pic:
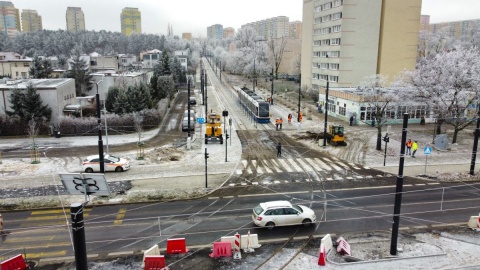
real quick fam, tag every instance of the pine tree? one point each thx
(121, 104)
(111, 97)
(40, 69)
(79, 72)
(27, 104)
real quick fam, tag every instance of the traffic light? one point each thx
(386, 139)
(206, 155)
(227, 136)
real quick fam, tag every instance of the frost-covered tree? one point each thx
(138, 98)
(378, 99)
(277, 48)
(166, 87)
(121, 104)
(40, 69)
(448, 84)
(79, 72)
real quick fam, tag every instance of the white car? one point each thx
(282, 213)
(111, 163)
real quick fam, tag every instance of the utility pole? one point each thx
(78, 236)
(271, 91)
(206, 157)
(99, 121)
(188, 106)
(326, 117)
(225, 114)
(299, 95)
(399, 189)
(206, 96)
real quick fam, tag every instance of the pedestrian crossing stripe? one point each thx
(293, 165)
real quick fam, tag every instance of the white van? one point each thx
(185, 124)
(191, 114)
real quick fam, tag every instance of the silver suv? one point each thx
(282, 213)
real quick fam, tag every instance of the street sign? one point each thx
(200, 120)
(427, 150)
(85, 184)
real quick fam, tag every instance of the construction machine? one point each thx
(213, 130)
(336, 135)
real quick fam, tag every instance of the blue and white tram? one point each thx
(255, 105)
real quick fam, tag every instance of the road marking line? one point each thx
(276, 166)
(121, 214)
(315, 166)
(50, 217)
(267, 166)
(295, 165)
(305, 165)
(59, 211)
(325, 166)
(285, 165)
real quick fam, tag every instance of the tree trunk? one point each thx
(455, 132)
(439, 127)
(379, 138)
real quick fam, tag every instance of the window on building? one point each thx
(334, 66)
(324, 54)
(327, 6)
(318, 20)
(335, 54)
(337, 3)
(325, 30)
(336, 28)
(335, 41)
(326, 18)
(318, 9)
(317, 31)
(334, 78)
(317, 43)
(336, 16)
(331, 106)
(324, 65)
(323, 77)
(325, 42)
(342, 110)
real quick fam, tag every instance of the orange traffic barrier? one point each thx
(221, 249)
(155, 262)
(176, 245)
(15, 263)
(322, 257)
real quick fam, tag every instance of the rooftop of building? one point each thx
(37, 83)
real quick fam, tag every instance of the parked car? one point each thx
(193, 101)
(111, 163)
(282, 213)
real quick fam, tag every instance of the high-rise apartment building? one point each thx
(275, 27)
(295, 29)
(344, 41)
(215, 31)
(75, 19)
(228, 32)
(131, 21)
(456, 29)
(425, 22)
(31, 21)
(9, 18)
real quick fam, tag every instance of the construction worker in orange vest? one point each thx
(277, 122)
(281, 122)
(289, 117)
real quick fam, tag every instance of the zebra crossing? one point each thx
(291, 165)
(334, 169)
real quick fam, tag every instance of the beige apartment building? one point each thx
(275, 27)
(9, 18)
(31, 21)
(187, 36)
(228, 32)
(131, 21)
(75, 19)
(344, 41)
(295, 29)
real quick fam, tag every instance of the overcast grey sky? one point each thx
(195, 16)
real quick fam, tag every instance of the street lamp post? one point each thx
(99, 121)
(326, 116)
(271, 91)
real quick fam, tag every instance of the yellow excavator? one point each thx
(213, 130)
(336, 135)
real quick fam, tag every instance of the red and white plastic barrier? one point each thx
(154, 262)
(14, 263)
(153, 251)
(221, 249)
(343, 247)
(474, 222)
(176, 246)
(327, 241)
(322, 256)
(236, 254)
